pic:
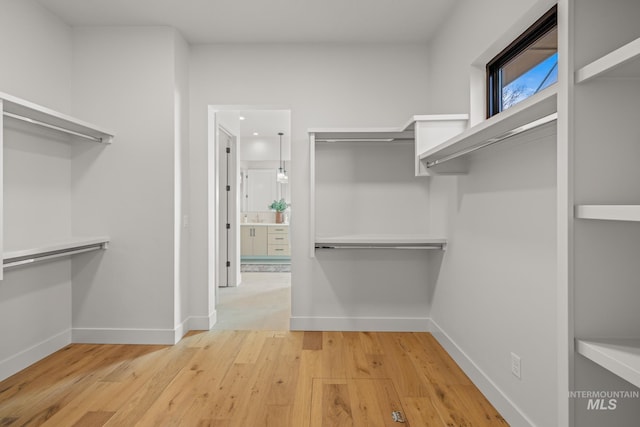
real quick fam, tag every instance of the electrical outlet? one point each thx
(515, 365)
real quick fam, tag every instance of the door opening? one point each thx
(251, 250)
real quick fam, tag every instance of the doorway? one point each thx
(251, 146)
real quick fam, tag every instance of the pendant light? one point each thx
(282, 173)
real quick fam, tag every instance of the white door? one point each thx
(229, 213)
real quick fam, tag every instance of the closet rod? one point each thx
(54, 127)
(400, 139)
(438, 247)
(534, 124)
(18, 261)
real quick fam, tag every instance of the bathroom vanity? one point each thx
(266, 241)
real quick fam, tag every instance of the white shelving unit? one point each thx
(622, 62)
(29, 112)
(608, 212)
(13, 108)
(18, 257)
(381, 241)
(421, 131)
(620, 356)
(606, 235)
(534, 112)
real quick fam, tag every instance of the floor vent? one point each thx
(397, 417)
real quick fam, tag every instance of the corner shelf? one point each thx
(535, 111)
(423, 130)
(418, 130)
(620, 356)
(15, 258)
(608, 212)
(20, 109)
(381, 241)
(622, 62)
(385, 134)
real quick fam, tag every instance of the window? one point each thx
(525, 67)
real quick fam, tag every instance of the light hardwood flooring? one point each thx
(249, 379)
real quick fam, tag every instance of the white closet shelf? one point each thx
(385, 134)
(620, 356)
(33, 113)
(622, 62)
(608, 212)
(533, 112)
(362, 135)
(382, 241)
(13, 258)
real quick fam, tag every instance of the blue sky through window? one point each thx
(537, 78)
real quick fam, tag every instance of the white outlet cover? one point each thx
(515, 365)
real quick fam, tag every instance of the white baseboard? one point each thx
(123, 336)
(27, 357)
(202, 323)
(498, 399)
(180, 330)
(143, 336)
(379, 324)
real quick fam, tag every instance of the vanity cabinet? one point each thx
(265, 240)
(278, 240)
(253, 240)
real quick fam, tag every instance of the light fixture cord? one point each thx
(281, 162)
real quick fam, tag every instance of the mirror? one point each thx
(260, 189)
(264, 154)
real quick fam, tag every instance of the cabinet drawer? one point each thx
(275, 229)
(278, 239)
(279, 250)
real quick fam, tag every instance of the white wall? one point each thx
(471, 28)
(125, 79)
(324, 86)
(260, 148)
(368, 189)
(181, 182)
(496, 290)
(35, 302)
(36, 49)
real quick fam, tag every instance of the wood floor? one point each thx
(249, 379)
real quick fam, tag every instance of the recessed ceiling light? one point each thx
(255, 134)
(241, 117)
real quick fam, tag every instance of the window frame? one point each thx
(541, 27)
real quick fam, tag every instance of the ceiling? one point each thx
(267, 123)
(267, 21)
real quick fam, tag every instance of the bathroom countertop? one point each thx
(262, 223)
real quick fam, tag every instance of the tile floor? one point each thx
(261, 302)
